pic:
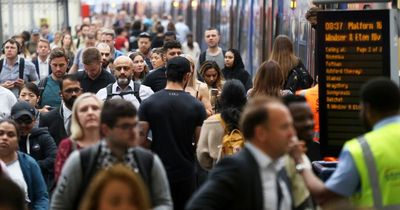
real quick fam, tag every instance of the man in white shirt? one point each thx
(254, 178)
(8, 100)
(42, 63)
(125, 87)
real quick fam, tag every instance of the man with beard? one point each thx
(50, 86)
(125, 87)
(59, 120)
(368, 169)
(106, 56)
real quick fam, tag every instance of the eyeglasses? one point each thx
(127, 126)
(73, 90)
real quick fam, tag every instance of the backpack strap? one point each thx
(135, 92)
(136, 89)
(145, 160)
(202, 57)
(109, 91)
(21, 68)
(41, 86)
(88, 157)
(1, 64)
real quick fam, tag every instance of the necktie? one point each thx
(278, 192)
(68, 128)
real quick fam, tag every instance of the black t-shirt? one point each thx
(156, 80)
(93, 86)
(173, 116)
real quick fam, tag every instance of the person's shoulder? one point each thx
(26, 159)
(145, 88)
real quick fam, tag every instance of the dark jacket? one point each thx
(234, 183)
(37, 191)
(93, 86)
(43, 149)
(54, 121)
(237, 71)
(36, 63)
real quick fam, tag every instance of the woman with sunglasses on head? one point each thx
(22, 168)
(36, 142)
(85, 129)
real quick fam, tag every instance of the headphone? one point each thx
(12, 41)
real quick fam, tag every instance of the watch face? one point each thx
(300, 167)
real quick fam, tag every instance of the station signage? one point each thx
(352, 48)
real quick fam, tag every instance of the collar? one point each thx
(66, 112)
(118, 89)
(262, 159)
(386, 121)
(45, 61)
(16, 62)
(107, 158)
(86, 75)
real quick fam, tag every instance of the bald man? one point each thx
(125, 87)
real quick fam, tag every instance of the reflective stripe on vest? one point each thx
(375, 156)
(372, 172)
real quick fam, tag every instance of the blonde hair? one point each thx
(77, 131)
(282, 52)
(192, 82)
(121, 173)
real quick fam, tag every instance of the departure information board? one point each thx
(352, 47)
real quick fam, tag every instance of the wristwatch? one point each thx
(300, 167)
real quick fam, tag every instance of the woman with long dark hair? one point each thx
(232, 101)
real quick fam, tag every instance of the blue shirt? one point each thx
(12, 73)
(51, 93)
(345, 181)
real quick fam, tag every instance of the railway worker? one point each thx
(368, 168)
(213, 52)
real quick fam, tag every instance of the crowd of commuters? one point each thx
(133, 117)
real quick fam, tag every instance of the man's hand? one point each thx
(19, 83)
(297, 150)
(8, 84)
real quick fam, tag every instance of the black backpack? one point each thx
(89, 156)
(135, 92)
(298, 79)
(21, 67)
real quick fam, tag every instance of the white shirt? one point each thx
(66, 116)
(43, 68)
(144, 92)
(268, 173)
(14, 169)
(8, 99)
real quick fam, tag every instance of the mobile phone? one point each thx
(214, 91)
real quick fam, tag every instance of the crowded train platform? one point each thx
(192, 104)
